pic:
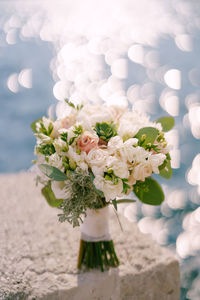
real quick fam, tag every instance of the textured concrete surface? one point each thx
(38, 254)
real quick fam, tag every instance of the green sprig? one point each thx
(71, 104)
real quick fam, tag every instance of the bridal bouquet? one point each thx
(94, 157)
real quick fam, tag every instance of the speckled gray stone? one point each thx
(38, 255)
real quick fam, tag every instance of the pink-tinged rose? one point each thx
(87, 142)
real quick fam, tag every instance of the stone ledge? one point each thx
(39, 254)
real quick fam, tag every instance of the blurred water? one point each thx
(143, 54)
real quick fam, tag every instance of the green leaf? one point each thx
(50, 197)
(166, 122)
(147, 135)
(64, 136)
(166, 172)
(50, 128)
(70, 103)
(149, 191)
(114, 202)
(52, 172)
(126, 186)
(46, 149)
(125, 201)
(33, 125)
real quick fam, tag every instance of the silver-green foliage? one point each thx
(83, 196)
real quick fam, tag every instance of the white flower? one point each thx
(110, 190)
(137, 155)
(56, 127)
(146, 167)
(42, 138)
(117, 111)
(80, 159)
(115, 144)
(96, 159)
(89, 115)
(131, 122)
(46, 122)
(128, 150)
(156, 160)
(141, 171)
(119, 167)
(55, 161)
(35, 169)
(62, 125)
(60, 189)
(59, 144)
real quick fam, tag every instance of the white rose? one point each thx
(96, 159)
(60, 189)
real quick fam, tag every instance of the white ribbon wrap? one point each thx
(95, 226)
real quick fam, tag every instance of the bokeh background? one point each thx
(144, 54)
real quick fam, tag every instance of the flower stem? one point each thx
(97, 255)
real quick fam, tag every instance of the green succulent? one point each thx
(105, 130)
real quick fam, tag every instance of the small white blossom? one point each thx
(59, 144)
(156, 160)
(110, 190)
(119, 167)
(80, 159)
(90, 115)
(55, 161)
(141, 171)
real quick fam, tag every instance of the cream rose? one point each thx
(96, 159)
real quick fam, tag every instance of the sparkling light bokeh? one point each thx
(143, 55)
